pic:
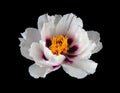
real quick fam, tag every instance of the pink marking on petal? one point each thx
(55, 66)
(73, 49)
(70, 40)
(72, 56)
(42, 56)
(48, 42)
(67, 61)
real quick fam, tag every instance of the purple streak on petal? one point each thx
(55, 66)
(67, 61)
(48, 42)
(43, 56)
(70, 40)
(71, 56)
(73, 49)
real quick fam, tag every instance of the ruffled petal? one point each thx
(46, 25)
(84, 53)
(30, 35)
(74, 71)
(80, 68)
(57, 19)
(47, 31)
(98, 47)
(79, 22)
(35, 52)
(79, 38)
(78, 35)
(41, 20)
(87, 52)
(66, 23)
(37, 71)
(95, 36)
(24, 46)
(38, 50)
(88, 66)
(84, 45)
(46, 18)
(53, 59)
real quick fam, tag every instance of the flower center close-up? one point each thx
(59, 45)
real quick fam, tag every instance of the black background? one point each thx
(22, 15)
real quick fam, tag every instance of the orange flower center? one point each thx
(59, 45)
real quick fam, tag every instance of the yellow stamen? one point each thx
(59, 45)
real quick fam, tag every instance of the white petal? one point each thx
(37, 50)
(47, 31)
(78, 35)
(46, 25)
(74, 71)
(57, 19)
(83, 53)
(80, 38)
(30, 35)
(75, 27)
(66, 22)
(45, 50)
(95, 36)
(37, 71)
(41, 20)
(98, 47)
(88, 66)
(79, 22)
(24, 46)
(57, 60)
(87, 51)
(80, 68)
(85, 47)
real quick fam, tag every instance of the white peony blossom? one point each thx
(60, 41)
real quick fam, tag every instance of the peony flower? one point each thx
(60, 41)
